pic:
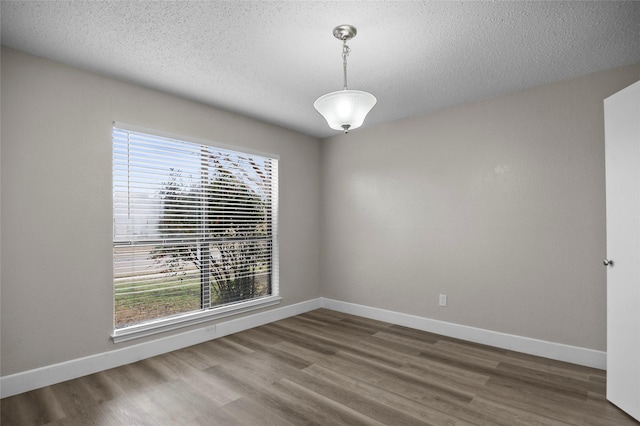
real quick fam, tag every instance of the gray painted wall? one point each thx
(499, 204)
(57, 285)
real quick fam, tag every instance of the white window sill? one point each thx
(167, 324)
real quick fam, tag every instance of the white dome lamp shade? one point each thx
(345, 109)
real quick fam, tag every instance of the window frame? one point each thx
(175, 321)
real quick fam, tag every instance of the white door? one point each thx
(622, 150)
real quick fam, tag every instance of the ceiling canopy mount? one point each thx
(345, 32)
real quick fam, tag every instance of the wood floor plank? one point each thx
(349, 397)
(198, 356)
(271, 397)
(513, 416)
(37, 407)
(421, 365)
(410, 344)
(367, 323)
(397, 345)
(412, 333)
(74, 398)
(328, 368)
(404, 380)
(333, 412)
(561, 383)
(445, 373)
(177, 402)
(270, 349)
(120, 412)
(341, 330)
(247, 412)
(297, 351)
(326, 315)
(459, 359)
(385, 397)
(294, 337)
(569, 410)
(100, 387)
(124, 380)
(525, 360)
(340, 343)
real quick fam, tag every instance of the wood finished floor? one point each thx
(327, 368)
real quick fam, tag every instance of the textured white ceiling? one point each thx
(270, 60)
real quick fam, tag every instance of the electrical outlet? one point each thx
(443, 300)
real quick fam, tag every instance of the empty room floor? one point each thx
(327, 368)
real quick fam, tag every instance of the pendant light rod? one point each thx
(345, 33)
(345, 53)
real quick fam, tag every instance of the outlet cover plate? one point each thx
(442, 301)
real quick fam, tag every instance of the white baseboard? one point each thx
(45, 376)
(551, 350)
(51, 374)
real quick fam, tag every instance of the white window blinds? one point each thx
(195, 227)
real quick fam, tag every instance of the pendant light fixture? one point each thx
(345, 109)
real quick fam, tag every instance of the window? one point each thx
(194, 232)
